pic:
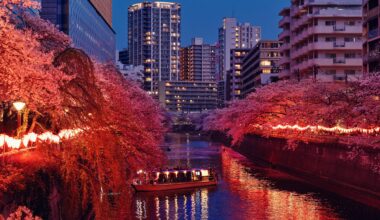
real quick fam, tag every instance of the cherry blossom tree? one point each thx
(64, 89)
(309, 108)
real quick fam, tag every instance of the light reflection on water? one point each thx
(246, 191)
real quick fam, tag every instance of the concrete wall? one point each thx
(334, 167)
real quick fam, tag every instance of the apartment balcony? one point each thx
(374, 12)
(372, 56)
(329, 62)
(333, 12)
(284, 34)
(300, 52)
(336, 46)
(336, 62)
(333, 2)
(299, 22)
(284, 60)
(300, 66)
(326, 30)
(335, 30)
(285, 46)
(283, 21)
(295, 10)
(373, 34)
(285, 12)
(299, 37)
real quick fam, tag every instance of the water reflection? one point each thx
(265, 201)
(246, 191)
(185, 204)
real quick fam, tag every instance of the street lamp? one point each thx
(19, 106)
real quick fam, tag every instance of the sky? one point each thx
(202, 18)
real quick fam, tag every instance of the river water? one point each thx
(245, 191)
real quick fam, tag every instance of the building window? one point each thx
(266, 71)
(330, 23)
(265, 63)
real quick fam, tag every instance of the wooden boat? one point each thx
(174, 180)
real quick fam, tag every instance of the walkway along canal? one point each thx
(246, 190)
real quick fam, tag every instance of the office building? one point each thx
(188, 96)
(371, 50)
(197, 61)
(154, 30)
(322, 40)
(261, 66)
(87, 22)
(234, 75)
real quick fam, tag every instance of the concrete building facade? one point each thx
(371, 35)
(261, 66)
(234, 74)
(197, 61)
(188, 96)
(232, 35)
(322, 39)
(154, 30)
(87, 22)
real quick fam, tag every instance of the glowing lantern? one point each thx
(19, 105)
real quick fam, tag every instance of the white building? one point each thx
(133, 73)
(232, 35)
(197, 61)
(322, 39)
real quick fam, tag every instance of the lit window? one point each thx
(266, 71)
(265, 63)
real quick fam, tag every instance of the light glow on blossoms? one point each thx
(26, 140)
(337, 129)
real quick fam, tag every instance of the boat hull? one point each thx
(172, 186)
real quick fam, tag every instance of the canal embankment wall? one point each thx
(352, 172)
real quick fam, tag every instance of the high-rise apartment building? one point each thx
(232, 35)
(188, 96)
(198, 61)
(260, 66)
(154, 41)
(371, 24)
(234, 75)
(322, 39)
(87, 22)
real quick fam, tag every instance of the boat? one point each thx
(174, 179)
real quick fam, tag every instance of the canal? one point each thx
(245, 191)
